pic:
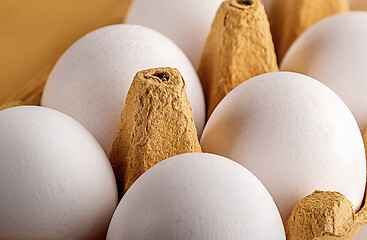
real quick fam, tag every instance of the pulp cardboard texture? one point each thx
(324, 216)
(238, 48)
(156, 123)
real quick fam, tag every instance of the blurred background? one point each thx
(35, 33)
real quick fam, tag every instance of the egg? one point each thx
(334, 51)
(196, 196)
(358, 5)
(91, 79)
(55, 179)
(187, 22)
(294, 134)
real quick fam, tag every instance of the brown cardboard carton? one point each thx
(239, 47)
(156, 123)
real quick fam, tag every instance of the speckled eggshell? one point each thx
(196, 196)
(294, 134)
(91, 80)
(55, 179)
(334, 51)
(358, 5)
(187, 22)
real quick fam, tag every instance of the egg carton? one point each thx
(328, 215)
(323, 215)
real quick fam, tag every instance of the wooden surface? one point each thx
(35, 33)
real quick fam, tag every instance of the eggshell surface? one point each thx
(187, 22)
(196, 196)
(55, 179)
(294, 134)
(334, 51)
(91, 80)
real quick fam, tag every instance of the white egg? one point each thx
(294, 134)
(334, 51)
(187, 22)
(358, 5)
(91, 80)
(55, 179)
(362, 233)
(196, 196)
